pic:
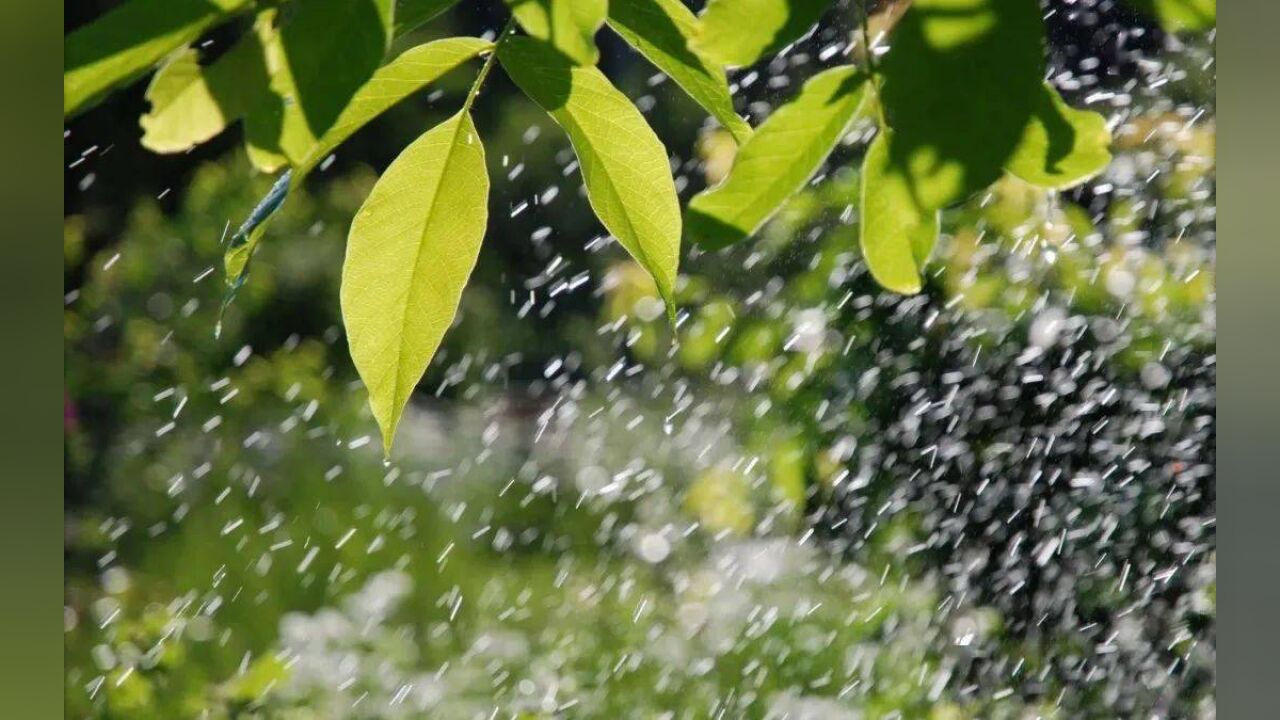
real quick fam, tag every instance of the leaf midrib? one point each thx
(401, 399)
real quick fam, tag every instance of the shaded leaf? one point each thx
(624, 165)
(1060, 146)
(191, 103)
(569, 25)
(960, 83)
(325, 50)
(896, 235)
(411, 249)
(779, 160)
(740, 32)
(412, 14)
(662, 30)
(129, 40)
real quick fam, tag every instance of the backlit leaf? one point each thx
(662, 30)
(569, 25)
(896, 235)
(740, 32)
(782, 155)
(1181, 15)
(129, 40)
(960, 82)
(411, 71)
(325, 50)
(411, 249)
(191, 103)
(624, 165)
(1060, 146)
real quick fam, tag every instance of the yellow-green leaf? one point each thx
(624, 165)
(412, 247)
(129, 40)
(896, 235)
(740, 32)
(568, 25)
(1181, 15)
(191, 103)
(782, 155)
(662, 30)
(1061, 146)
(411, 71)
(325, 50)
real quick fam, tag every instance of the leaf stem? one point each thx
(867, 49)
(488, 63)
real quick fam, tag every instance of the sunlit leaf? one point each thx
(896, 235)
(624, 165)
(129, 40)
(960, 83)
(662, 30)
(780, 158)
(411, 249)
(413, 70)
(191, 103)
(1181, 15)
(1060, 146)
(325, 50)
(569, 25)
(740, 32)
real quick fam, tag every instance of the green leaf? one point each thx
(413, 70)
(960, 83)
(412, 14)
(569, 25)
(662, 30)
(895, 233)
(1061, 146)
(740, 32)
(325, 50)
(412, 247)
(624, 165)
(191, 103)
(1181, 15)
(779, 160)
(129, 40)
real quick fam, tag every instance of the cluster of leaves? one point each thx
(959, 99)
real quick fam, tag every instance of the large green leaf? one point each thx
(412, 14)
(895, 233)
(959, 86)
(412, 247)
(624, 165)
(129, 40)
(1060, 146)
(569, 25)
(662, 30)
(740, 32)
(780, 158)
(326, 50)
(413, 70)
(1181, 15)
(191, 103)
